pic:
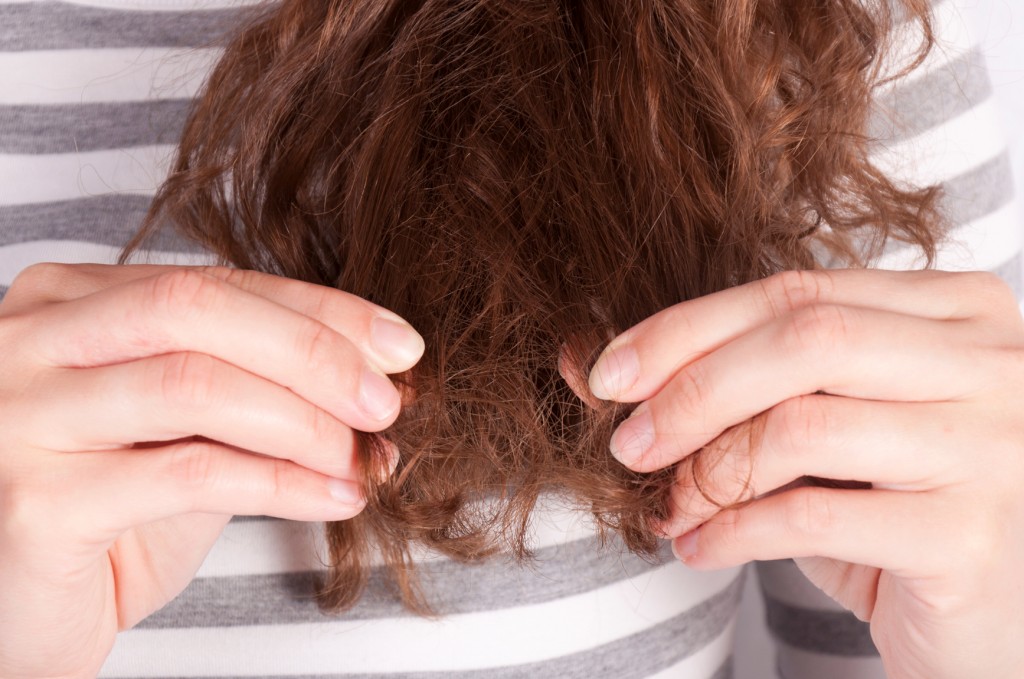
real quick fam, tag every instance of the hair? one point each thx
(522, 178)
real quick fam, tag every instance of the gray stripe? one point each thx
(112, 219)
(53, 25)
(919, 105)
(286, 598)
(107, 220)
(633, 657)
(70, 128)
(978, 192)
(3, 292)
(1010, 272)
(972, 195)
(829, 632)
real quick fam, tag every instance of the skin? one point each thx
(912, 381)
(140, 408)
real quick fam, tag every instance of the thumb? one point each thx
(146, 584)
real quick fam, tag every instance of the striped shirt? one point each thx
(93, 94)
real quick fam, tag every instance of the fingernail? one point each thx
(634, 437)
(345, 492)
(685, 547)
(378, 398)
(396, 341)
(615, 372)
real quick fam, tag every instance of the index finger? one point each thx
(330, 306)
(187, 310)
(639, 362)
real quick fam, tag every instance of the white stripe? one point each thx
(266, 547)
(982, 244)
(953, 39)
(706, 661)
(103, 75)
(51, 177)
(459, 642)
(799, 664)
(14, 258)
(784, 581)
(947, 150)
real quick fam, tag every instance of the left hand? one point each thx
(912, 381)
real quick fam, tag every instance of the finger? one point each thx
(390, 342)
(639, 362)
(846, 351)
(172, 396)
(186, 310)
(116, 490)
(332, 307)
(856, 526)
(55, 282)
(909, 446)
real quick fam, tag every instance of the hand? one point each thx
(912, 382)
(247, 387)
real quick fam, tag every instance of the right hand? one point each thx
(245, 388)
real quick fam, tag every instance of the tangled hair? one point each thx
(521, 178)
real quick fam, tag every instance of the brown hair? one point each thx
(517, 176)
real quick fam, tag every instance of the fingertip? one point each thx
(633, 439)
(574, 378)
(345, 491)
(686, 547)
(378, 399)
(397, 344)
(615, 372)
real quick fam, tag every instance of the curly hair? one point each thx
(524, 179)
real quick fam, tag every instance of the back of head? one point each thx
(521, 179)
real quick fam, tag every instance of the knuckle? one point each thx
(14, 329)
(735, 532)
(193, 467)
(188, 380)
(320, 347)
(689, 400)
(280, 480)
(819, 328)
(988, 289)
(328, 434)
(322, 427)
(321, 303)
(21, 512)
(30, 501)
(38, 283)
(231, 276)
(729, 462)
(40, 275)
(978, 545)
(809, 512)
(183, 293)
(794, 289)
(800, 425)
